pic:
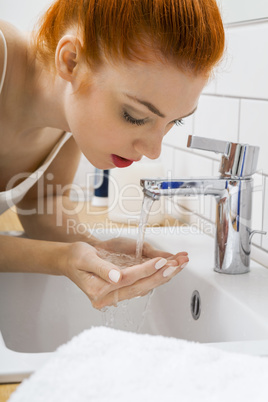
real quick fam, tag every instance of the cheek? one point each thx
(96, 125)
(94, 133)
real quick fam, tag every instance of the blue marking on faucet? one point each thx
(171, 184)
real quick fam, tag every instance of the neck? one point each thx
(49, 106)
(46, 101)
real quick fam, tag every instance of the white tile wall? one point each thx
(167, 158)
(244, 71)
(217, 117)
(254, 128)
(234, 106)
(190, 165)
(178, 135)
(265, 219)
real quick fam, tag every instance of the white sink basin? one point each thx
(38, 312)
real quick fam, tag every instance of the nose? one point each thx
(150, 146)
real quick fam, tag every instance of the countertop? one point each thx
(89, 215)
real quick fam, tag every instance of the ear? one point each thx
(67, 55)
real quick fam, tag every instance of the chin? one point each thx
(103, 165)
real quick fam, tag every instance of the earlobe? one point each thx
(66, 57)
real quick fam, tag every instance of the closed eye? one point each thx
(139, 122)
(132, 120)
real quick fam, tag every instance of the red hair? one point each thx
(187, 32)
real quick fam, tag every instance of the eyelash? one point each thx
(131, 119)
(179, 122)
(140, 122)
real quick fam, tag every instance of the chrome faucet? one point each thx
(233, 193)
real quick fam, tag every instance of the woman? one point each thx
(117, 75)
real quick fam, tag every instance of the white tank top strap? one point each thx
(2, 80)
(14, 195)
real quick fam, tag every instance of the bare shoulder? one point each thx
(62, 169)
(12, 35)
(3, 50)
(65, 164)
(16, 48)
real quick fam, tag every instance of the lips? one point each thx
(120, 162)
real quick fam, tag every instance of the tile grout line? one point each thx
(226, 96)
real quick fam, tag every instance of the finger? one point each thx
(97, 288)
(132, 274)
(171, 271)
(152, 252)
(141, 287)
(180, 254)
(168, 256)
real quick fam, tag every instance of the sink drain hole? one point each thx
(196, 305)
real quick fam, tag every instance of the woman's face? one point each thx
(127, 110)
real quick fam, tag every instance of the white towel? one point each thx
(103, 364)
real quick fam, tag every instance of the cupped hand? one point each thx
(105, 284)
(126, 245)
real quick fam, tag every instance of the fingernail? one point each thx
(184, 265)
(169, 271)
(114, 275)
(160, 263)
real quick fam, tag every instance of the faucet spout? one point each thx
(155, 188)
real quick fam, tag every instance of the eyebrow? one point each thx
(154, 109)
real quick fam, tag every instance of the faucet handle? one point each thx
(253, 232)
(238, 160)
(208, 144)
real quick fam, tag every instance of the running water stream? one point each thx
(124, 261)
(145, 211)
